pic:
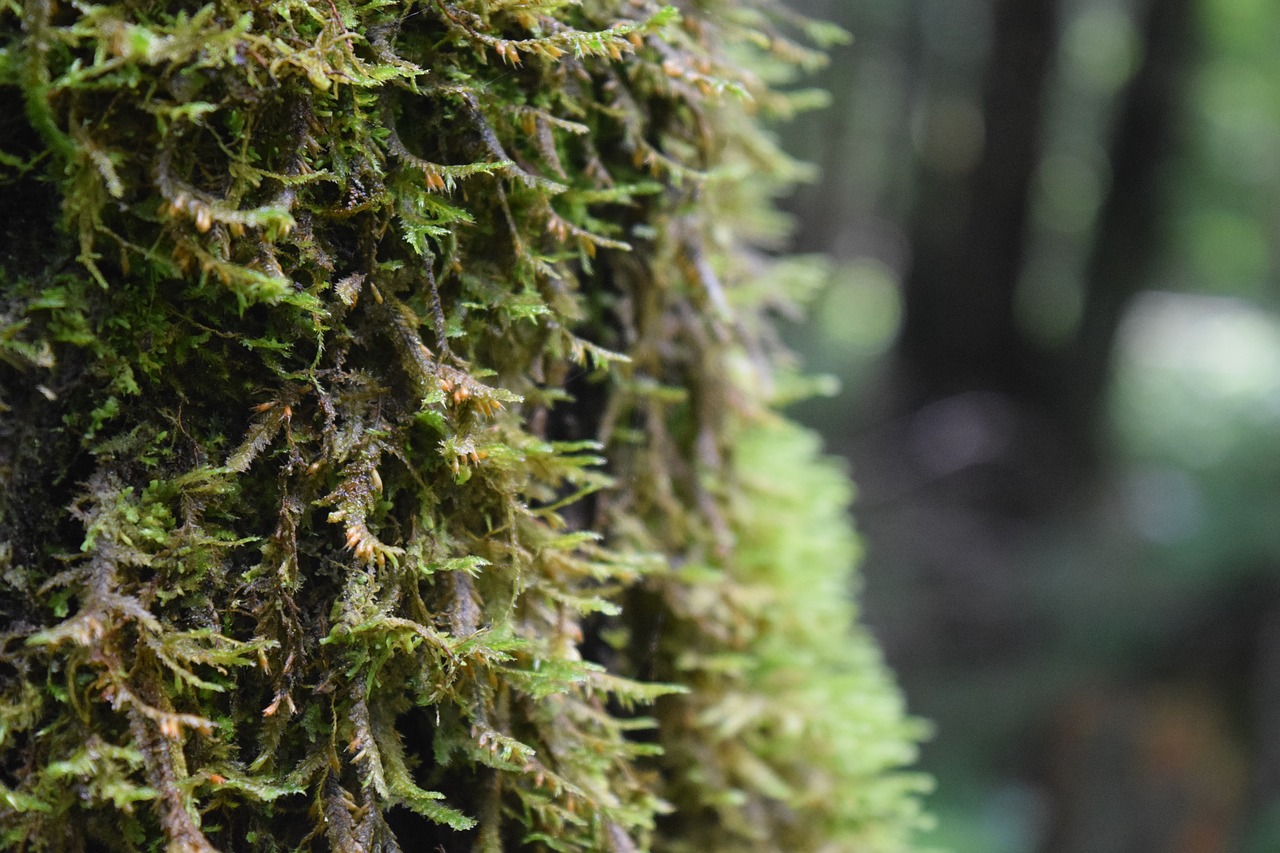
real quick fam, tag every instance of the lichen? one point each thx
(386, 445)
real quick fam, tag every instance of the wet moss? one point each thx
(384, 396)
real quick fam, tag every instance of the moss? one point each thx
(386, 444)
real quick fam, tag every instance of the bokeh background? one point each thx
(1052, 307)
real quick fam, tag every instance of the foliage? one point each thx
(385, 441)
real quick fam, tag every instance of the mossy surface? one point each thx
(386, 453)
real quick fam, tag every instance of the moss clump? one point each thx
(385, 443)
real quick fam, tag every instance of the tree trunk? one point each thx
(386, 455)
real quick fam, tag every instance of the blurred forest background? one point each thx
(1052, 308)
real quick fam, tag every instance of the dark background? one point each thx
(1051, 302)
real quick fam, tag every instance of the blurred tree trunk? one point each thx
(1130, 223)
(969, 229)
(970, 234)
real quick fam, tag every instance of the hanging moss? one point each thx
(386, 449)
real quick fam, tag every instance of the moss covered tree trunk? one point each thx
(386, 452)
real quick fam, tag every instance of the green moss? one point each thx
(385, 443)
